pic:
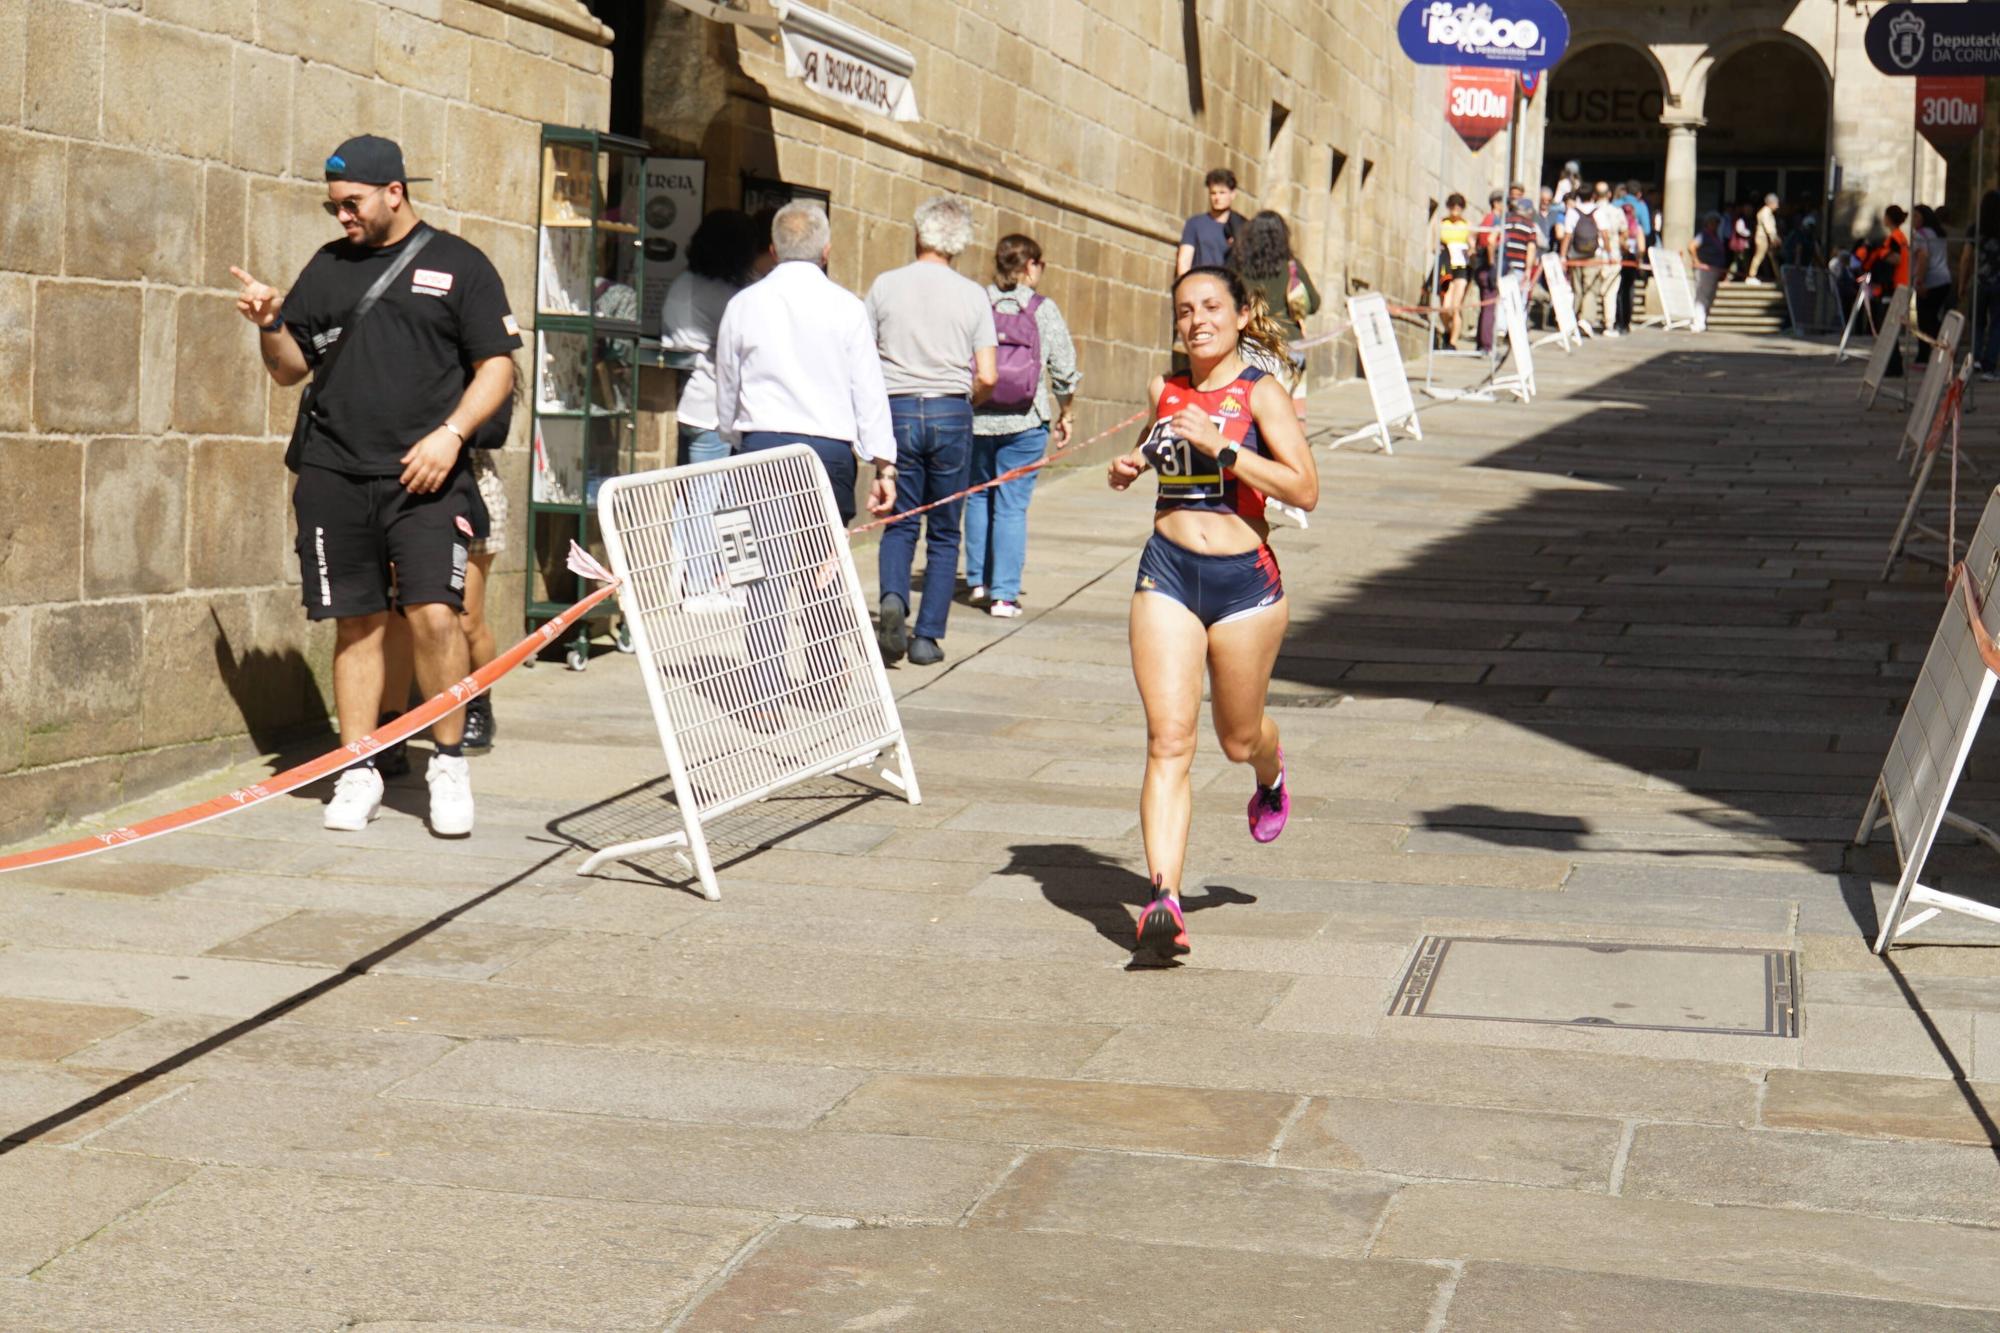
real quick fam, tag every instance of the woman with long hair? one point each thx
(1263, 255)
(1028, 407)
(1224, 439)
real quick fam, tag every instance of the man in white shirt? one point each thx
(934, 330)
(795, 363)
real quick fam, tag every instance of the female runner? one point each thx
(1225, 438)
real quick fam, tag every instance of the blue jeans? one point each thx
(933, 458)
(694, 536)
(996, 520)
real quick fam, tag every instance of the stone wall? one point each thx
(1076, 121)
(149, 617)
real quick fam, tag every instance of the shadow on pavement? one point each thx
(271, 1013)
(1096, 889)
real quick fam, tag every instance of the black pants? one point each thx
(1627, 281)
(1932, 304)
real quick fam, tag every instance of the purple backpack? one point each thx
(1019, 355)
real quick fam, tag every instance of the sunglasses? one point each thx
(335, 207)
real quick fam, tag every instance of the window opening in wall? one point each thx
(627, 19)
(1280, 113)
(1367, 170)
(1339, 165)
(1191, 49)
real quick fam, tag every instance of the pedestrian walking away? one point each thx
(1889, 268)
(1979, 282)
(1930, 271)
(407, 336)
(1209, 593)
(1486, 269)
(934, 332)
(795, 363)
(1764, 242)
(1029, 408)
(1708, 258)
(1270, 270)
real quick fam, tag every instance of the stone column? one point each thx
(1677, 228)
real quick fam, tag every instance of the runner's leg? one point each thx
(1241, 654)
(1168, 645)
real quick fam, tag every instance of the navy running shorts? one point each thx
(1217, 588)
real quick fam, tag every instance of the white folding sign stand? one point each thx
(1382, 363)
(1933, 741)
(1853, 322)
(1944, 421)
(752, 637)
(1514, 321)
(1676, 294)
(1886, 338)
(1562, 299)
(1930, 390)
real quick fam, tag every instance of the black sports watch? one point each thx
(1226, 456)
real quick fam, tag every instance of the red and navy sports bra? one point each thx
(1189, 478)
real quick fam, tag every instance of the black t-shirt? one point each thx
(411, 357)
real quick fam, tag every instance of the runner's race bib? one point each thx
(1186, 473)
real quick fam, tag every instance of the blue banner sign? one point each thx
(1493, 34)
(1936, 39)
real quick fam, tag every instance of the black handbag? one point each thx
(302, 426)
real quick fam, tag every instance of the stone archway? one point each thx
(1765, 113)
(1603, 109)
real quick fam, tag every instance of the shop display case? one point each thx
(590, 273)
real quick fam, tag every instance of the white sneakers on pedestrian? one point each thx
(450, 781)
(1004, 610)
(357, 798)
(977, 597)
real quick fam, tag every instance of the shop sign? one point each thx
(1478, 103)
(1906, 39)
(674, 191)
(1495, 34)
(1950, 111)
(847, 77)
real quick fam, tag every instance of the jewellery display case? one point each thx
(589, 274)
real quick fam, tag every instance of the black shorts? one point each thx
(1217, 588)
(353, 528)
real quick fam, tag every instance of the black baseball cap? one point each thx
(368, 159)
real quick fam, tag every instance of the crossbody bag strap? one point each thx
(367, 303)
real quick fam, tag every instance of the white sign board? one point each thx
(1930, 392)
(1562, 299)
(1886, 338)
(853, 77)
(1382, 364)
(1929, 444)
(738, 585)
(1928, 755)
(1853, 322)
(674, 192)
(1676, 292)
(1513, 314)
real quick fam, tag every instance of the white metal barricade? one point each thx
(1944, 422)
(1562, 299)
(1513, 315)
(1927, 756)
(1886, 339)
(751, 633)
(1382, 364)
(1930, 389)
(1676, 292)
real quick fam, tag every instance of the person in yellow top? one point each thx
(1454, 266)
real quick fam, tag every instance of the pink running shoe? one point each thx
(1162, 930)
(1270, 807)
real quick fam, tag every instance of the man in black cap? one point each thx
(383, 482)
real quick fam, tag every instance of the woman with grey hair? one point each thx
(1708, 256)
(934, 333)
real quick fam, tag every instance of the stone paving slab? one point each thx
(1840, 1254)
(947, 1278)
(1505, 1298)
(42, 1030)
(57, 1197)
(1453, 1142)
(50, 1308)
(375, 1245)
(1884, 1106)
(281, 1052)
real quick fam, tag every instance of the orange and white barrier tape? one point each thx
(409, 724)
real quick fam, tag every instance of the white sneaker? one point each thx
(977, 596)
(450, 779)
(357, 798)
(1753, 282)
(1004, 610)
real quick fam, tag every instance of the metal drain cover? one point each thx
(1661, 987)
